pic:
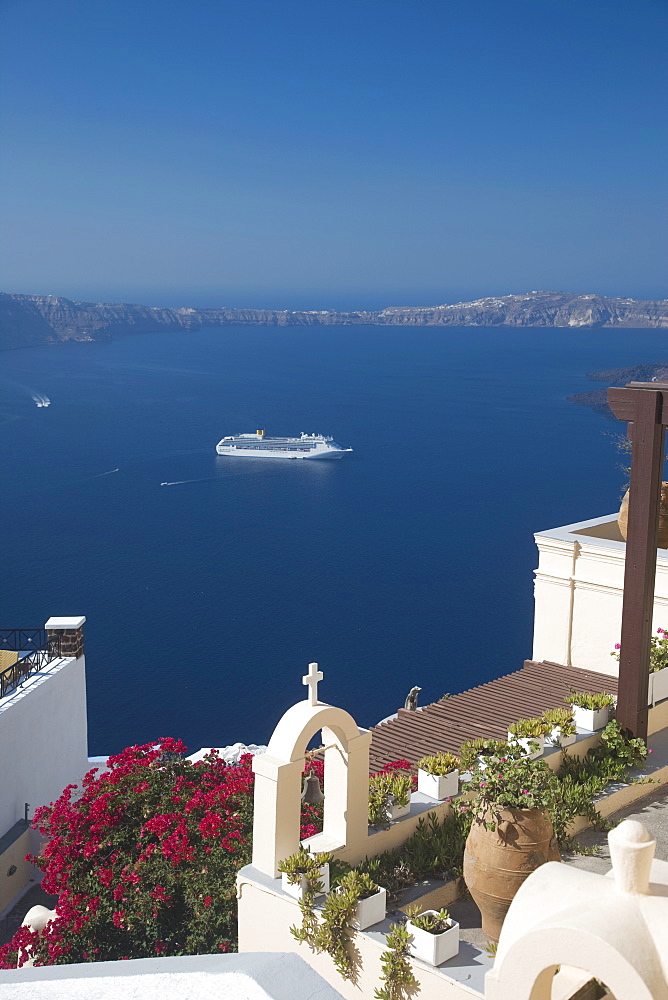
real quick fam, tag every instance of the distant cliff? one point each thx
(28, 320)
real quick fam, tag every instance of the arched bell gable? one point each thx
(278, 783)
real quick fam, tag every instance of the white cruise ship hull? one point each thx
(312, 456)
(313, 447)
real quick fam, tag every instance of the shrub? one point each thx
(562, 719)
(397, 977)
(582, 781)
(440, 763)
(144, 860)
(435, 850)
(514, 781)
(334, 933)
(432, 921)
(385, 789)
(658, 651)
(586, 699)
(302, 864)
(525, 728)
(472, 749)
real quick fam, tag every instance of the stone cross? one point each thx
(314, 675)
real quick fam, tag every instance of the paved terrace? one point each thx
(483, 711)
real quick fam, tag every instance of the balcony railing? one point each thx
(34, 647)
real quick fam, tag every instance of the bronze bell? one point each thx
(312, 792)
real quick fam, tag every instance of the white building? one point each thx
(43, 736)
(579, 591)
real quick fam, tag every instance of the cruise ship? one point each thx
(258, 445)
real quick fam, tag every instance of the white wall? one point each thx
(265, 918)
(579, 591)
(43, 738)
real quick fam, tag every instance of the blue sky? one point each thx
(332, 153)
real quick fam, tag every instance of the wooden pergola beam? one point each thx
(622, 402)
(645, 406)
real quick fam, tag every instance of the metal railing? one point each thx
(35, 649)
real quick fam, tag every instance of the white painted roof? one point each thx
(255, 976)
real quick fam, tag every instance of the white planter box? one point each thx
(434, 949)
(297, 889)
(528, 743)
(370, 911)
(557, 739)
(591, 719)
(438, 786)
(659, 685)
(396, 812)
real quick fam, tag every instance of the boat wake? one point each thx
(184, 482)
(109, 473)
(38, 398)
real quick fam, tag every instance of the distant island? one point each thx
(31, 320)
(598, 398)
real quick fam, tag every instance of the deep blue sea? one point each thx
(409, 562)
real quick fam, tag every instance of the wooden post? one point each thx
(642, 404)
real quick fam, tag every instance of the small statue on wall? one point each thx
(411, 702)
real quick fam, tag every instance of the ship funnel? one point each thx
(260, 433)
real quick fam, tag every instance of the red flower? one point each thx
(210, 825)
(134, 847)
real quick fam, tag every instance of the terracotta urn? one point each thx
(622, 520)
(496, 862)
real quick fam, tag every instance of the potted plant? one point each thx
(624, 446)
(477, 754)
(561, 727)
(591, 711)
(530, 735)
(389, 797)
(658, 666)
(438, 776)
(623, 517)
(355, 904)
(366, 900)
(302, 872)
(511, 832)
(435, 935)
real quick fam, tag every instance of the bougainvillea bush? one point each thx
(143, 858)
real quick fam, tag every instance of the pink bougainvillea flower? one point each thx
(143, 848)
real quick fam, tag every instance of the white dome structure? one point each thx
(613, 927)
